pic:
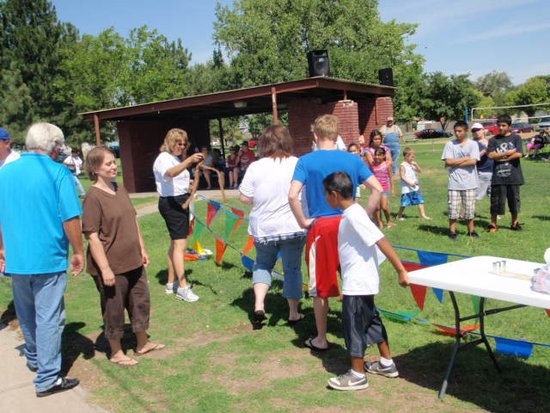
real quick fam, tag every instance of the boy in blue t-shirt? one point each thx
(322, 223)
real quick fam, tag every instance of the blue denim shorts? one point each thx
(412, 198)
(290, 251)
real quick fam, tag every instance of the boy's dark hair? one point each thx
(460, 124)
(504, 119)
(341, 183)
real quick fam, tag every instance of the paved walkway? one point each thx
(17, 393)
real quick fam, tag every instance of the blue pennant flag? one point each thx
(517, 348)
(439, 294)
(432, 258)
(248, 263)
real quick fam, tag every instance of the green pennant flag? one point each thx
(230, 223)
(197, 231)
(475, 303)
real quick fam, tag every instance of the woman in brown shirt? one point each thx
(116, 256)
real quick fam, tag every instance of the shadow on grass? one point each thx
(434, 229)
(75, 345)
(8, 315)
(542, 217)
(520, 388)
(162, 276)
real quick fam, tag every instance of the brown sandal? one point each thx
(492, 228)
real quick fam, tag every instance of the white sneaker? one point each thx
(186, 294)
(169, 288)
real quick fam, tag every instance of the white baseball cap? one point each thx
(477, 125)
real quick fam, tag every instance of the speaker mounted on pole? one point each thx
(318, 63)
(385, 76)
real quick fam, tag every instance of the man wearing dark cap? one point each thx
(7, 155)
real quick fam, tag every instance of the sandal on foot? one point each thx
(147, 348)
(492, 228)
(309, 344)
(516, 226)
(294, 322)
(124, 362)
(259, 316)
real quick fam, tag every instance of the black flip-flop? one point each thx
(294, 322)
(309, 344)
(259, 316)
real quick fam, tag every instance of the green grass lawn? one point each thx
(215, 362)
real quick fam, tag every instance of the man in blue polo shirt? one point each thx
(39, 217)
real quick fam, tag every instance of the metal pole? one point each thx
(97, 133)
(274, 105)
(220, 126)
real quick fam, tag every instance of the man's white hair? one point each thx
(44, 136)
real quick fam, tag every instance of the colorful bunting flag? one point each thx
(428, 258)
(198, 247)
(248, 263)
(249, 245)
(231, 222)
(198, 229)
(213, 208)
(220, 250)
(240, 220)
(517, 348)
(439, 294)
(419, 294)
(452, 330)
(548, 312)
(475, 303)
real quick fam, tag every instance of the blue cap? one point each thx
(4, 135)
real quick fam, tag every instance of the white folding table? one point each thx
(481, 276)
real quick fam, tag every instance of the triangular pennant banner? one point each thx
(548, 312)
(248, 263)
(230, 224)
(413, 266)
(212, 211)
(432, 258)
(198, 247)
(419, 294)
(198, 229)
(220, 250)
(249, 245)
(475, 303)
(191, 227)
(439, 294)
(240, 214)
(517, 348)
(452, 330)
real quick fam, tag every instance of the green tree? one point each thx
(494, 85)
(267, 41)
(534, 90)
(446, 98)
(15, 104)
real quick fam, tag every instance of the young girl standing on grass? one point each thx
(410, 191)
(375, 142)
(382, 170)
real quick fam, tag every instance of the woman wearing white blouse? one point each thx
(172, 181)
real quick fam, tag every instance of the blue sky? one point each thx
(455, 36)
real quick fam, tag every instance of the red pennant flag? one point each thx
(220, 250)
(211, 213)
(452, 330)
(249, 245)
(239, 213)
(191, 228)
(413, 266)
(419, 294)
(548, 312)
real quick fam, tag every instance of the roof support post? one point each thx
(221, 136)
(274, 106)
(96, 126)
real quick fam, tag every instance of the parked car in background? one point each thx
(544, 124)
(433, 133)
(521, 127)
(491, 126)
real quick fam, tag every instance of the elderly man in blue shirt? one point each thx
(39, 217)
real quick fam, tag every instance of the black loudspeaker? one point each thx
(385, 76)
(318, 63)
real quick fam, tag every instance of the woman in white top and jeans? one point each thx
(172, 181)
(265, 185)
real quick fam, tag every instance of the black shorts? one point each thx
(176, 218)
(499, 195)
(362, 324)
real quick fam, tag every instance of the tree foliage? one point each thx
(268, 41)
(534, 90)
(446, 98)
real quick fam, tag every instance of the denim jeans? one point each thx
(40, 310)
(291, 254)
